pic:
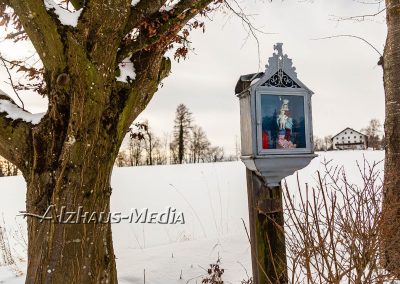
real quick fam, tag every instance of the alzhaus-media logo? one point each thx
(144, 216)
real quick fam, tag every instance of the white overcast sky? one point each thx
(342, 72)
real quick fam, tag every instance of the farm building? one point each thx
(349, 139)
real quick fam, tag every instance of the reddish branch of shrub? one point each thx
(333, 231)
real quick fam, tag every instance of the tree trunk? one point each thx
(68, 255)
(72, 176)
(73, 151)
(181, 151)
(391, 208)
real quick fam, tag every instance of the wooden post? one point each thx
(266, 231)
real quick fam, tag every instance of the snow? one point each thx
(66, 17)
(14, 112)
(134, 2)
(127, 71)
(166, 8)
(71, 140)
(7, 276)
(214, 201)
(254, 81)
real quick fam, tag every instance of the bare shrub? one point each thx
(214, 274)
(247, 281)
(333, 228)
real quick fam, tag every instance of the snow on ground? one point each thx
(7, 276)
(213, 200)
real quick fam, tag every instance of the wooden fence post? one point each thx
(268, 249)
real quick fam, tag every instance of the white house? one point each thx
(349, 139)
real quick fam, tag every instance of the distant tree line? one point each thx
(187, 144)
(373, 131)
(323, 144)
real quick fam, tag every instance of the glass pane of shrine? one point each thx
(283, 123)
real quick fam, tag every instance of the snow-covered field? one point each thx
(213, 200)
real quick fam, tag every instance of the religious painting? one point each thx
(283, 122)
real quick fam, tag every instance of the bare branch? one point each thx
(333, 231)
(359, 17)
(11, 81)
(142, 10)
(151, 68)
(352, 36)
(252, 30)
(16, 35)
(178, 17)
(373, 2)
(42, 30)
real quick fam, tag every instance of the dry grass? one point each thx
(9, 257)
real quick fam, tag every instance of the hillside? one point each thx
(213, 200)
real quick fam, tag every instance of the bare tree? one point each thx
(135, 151)
(215, 154)
(121, 160)
(390, 62)
(318, 144)
(151, 143)
(323, 144)
(373, 132)
(159, 154)
(237, 148)
(328, 144)
(181, 135)
(199, 145)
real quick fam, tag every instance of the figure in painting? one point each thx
(285, 125)
(282, 119)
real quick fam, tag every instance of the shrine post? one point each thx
(276, 140)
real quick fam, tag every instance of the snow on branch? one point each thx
(139, 11)
(126, 71)
(66, 17)
(168, 6)
(134, 2)
(15, 132)
(15, 112)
